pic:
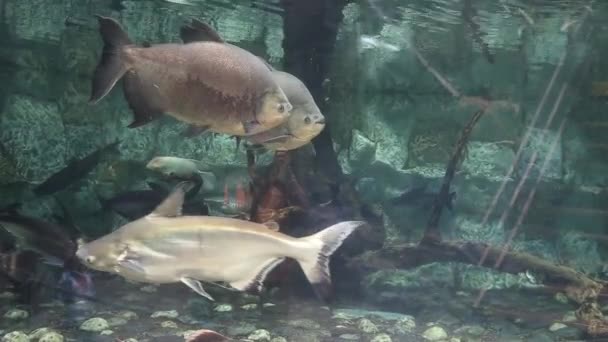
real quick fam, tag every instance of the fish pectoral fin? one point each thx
(172, 205)
(133, 265)
(198, 31)
(254, 147)
(143, 98)
(250, 126)
(52, 261)
(197, 287)
(254, 281)
(194, 130)
(272, 225)
(279, 139)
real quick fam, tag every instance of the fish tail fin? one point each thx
(315, 263)
(110, 68)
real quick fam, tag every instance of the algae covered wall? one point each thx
(393, 124)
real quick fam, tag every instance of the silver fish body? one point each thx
(167, 247)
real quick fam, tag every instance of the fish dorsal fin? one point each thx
(172, 205)
(198, 31)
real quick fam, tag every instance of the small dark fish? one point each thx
(46, 238)
(75, 170)
(419, 196)
(212, 84)
(133, 205)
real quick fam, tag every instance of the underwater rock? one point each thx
(435, 333)
(128, 315)
(168, 325)
(16, 314)
(540, 143)
(304, 323)
(349, 337)
(381, 338)
(117, 321)
(278, 339)
(51, 337)
(241, 329)
(470, 331)
(15, 336)
(165, 314)
(367, 326)
(33, 133)
(106, 332)
(489, 161)
(149, 289)
(95, 324)
(579, 252)
(405, 325)
(36, 334)
(259, 335)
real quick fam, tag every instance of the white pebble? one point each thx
(435, 333)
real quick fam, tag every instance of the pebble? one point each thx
(367, 326)
(165, 314)
(381, 338)
(435, 333)
(268, 305)
(16, 314)
(168, 325)
(130, 340)
(51, 336)
(470, 330)
(116, 321)
(405, 325)
(241, 329)
(95, 324)
(561, 297)
(454, 339)
(107, 332)
(249, 307)
(148, 289)
(259, 335)
(557, 326)
(223, 308)
(128, 315)
(15, 336)
(570, 316)
(304, 324)
(38, 333)
(350, 337)
(278, 339)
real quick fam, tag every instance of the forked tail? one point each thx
(110, 68)
(315, 263)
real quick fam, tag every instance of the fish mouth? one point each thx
(320, 121)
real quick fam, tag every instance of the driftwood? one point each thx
(577, 286)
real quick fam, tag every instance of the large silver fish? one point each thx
(167, 247)
(211, 84)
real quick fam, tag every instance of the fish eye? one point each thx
(307, 120)
(90, 259)
(281, 108)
